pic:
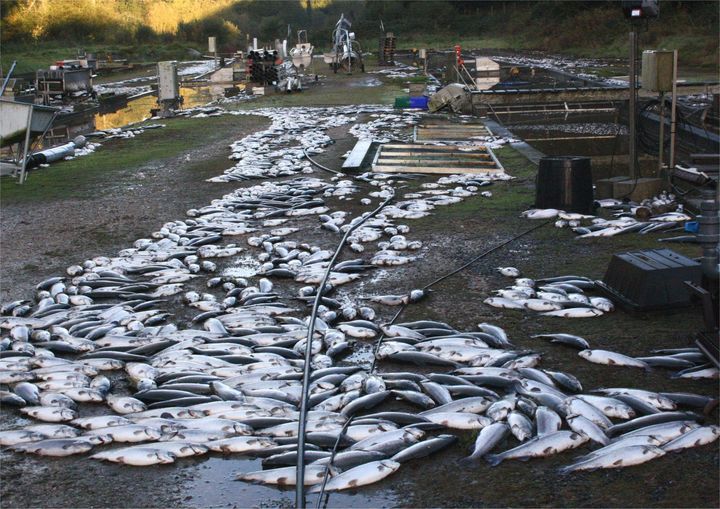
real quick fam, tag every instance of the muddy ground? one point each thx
(40, 239)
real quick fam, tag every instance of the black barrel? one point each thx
(565, 183)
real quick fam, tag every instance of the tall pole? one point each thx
(671, 163)
(632, 107)
(661, 152)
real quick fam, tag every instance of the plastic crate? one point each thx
(419, 102)
(651, 279)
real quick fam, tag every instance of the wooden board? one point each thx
(468, 155)
(433, 148)
(434, 169)
(449, 132)
(431, 162)
(357, 155)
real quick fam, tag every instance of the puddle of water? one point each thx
(139, 109)
(214, 485)
(366, 82)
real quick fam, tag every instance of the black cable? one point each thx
(450, 274)
(318, 164)
(300, 472)
(332, 458)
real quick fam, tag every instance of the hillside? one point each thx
(148, 29)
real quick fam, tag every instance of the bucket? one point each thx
(419, 102)
(402, 102)
(565, 182)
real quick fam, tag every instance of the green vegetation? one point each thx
(150, 148)
(148, 30)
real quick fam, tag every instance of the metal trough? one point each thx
(17, 117)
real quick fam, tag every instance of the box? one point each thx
(605, 188)
(637, 191)
(657, 70)
(650, 279)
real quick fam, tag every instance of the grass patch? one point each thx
(61, 180)
(330, 92)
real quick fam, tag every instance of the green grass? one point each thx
(330, 92)
(61, 179)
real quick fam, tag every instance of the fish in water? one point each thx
(546, 445)
(360, 476)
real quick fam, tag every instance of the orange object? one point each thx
(458, 55)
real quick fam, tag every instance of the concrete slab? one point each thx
(605, 188)
(645, 187)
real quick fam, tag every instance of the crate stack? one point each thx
(386, 53)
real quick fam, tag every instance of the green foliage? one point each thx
(587, 28)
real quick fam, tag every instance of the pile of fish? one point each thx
(562, 296)
(652, 215)
(278, 151)
(105, 361)
(238, 391)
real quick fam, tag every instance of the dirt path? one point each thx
(38, 241)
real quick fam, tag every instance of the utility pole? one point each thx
(632, 105)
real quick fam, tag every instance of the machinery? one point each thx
(346, 53)
(301, 54)
(169, 97)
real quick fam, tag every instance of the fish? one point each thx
(547, 445)
(566, 339)
(459, 420)
(693, 438)
(57, 447)
(424, 448)
(362, 475)
(137, 456)
(50, 413)
(574, 313)
(585, 426)
(619, 458)
(612, 359)
(286, 476)
(520, 426)
(487, 439)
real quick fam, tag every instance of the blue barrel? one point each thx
(565, 182)
(419, 102)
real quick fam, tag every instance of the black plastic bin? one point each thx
(565, 183)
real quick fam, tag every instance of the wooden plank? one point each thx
(357, 155)
(451, 131)
(475, 148)
(429, 162)
(432, 169)
(470, 155)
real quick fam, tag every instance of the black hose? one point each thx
(300, 473)
(450, 274)
(332, 458)
(318, 164)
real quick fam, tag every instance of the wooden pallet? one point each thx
(418, 158)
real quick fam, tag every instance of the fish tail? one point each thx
(493, 459)
(468, 461)
(565, 470)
